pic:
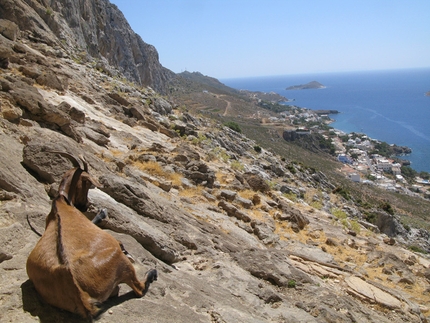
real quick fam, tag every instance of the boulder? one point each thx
(227, 195)
(50, 79)
(234, 211)
(124, 220)
(14, 177)
(119, 99)
(162, 106)
(364, 290)
(270, 265)
(292, 215)
(95, 137)
(10, 112)
(9, 29)
(256, 182)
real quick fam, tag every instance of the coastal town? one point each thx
(362, 165)
(364, 160)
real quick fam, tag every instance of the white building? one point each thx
(384, 164)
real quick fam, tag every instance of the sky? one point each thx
(247, 38)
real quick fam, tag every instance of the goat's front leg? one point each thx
(100, 216)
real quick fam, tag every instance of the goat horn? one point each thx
(70, 157)
(84, 162)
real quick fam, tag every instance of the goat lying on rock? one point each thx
(76, 265)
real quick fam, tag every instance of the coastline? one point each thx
(387, 105)
(403, 151)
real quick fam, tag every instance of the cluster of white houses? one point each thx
(373, 166)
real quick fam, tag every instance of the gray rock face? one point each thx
(9, 29)
(98, 26)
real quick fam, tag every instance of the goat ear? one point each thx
(87, 177)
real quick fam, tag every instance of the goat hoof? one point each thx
(103, 213)
(151, 275)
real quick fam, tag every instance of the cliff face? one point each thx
(95, 26)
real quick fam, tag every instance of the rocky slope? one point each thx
(93, 27)
(237, 236)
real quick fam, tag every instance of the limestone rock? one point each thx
(257, 183)
(360, 288)
(9, 29)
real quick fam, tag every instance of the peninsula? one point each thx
(308, 86)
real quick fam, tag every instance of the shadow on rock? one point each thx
(34, 304)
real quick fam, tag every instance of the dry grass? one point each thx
(151, 167)
(247, 194)
(224, 178)
(113, 153)
(191, 191)
(258, 215)
(176, 179)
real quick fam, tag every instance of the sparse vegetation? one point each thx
(233, 126)
(417, 249)
(339, 214)
(257, 149)
(237, 165)
(199, 140)
(355, 226)
(386, 206)
(49, 11)
(291, 283)
(342, 192)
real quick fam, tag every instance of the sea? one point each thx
(388, 105)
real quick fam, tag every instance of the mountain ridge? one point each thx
(98, 28)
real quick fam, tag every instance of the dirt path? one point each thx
(227, 108)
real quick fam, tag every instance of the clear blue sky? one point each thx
(240, 38)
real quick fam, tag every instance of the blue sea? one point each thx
(386, 105)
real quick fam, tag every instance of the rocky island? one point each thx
(308, 86)
(428, 93)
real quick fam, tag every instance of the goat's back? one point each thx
(75, 264)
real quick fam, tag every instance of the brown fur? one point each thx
(76, 265)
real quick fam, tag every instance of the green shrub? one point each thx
(237, 165)
(291, 168)
(338, 213)
(355, 226)
(233, 126)
(291, 283)
(416, 248)
(290, 196)
(257, 149)
(342, 192)
(271, 184)
(198, 140)
(387, 207)
(316, 205)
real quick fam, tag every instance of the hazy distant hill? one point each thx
(207, 83)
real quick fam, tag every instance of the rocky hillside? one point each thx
(89, 28)
(237, 234)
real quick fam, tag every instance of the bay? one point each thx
(386, 105)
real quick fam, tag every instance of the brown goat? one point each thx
(75, 265)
